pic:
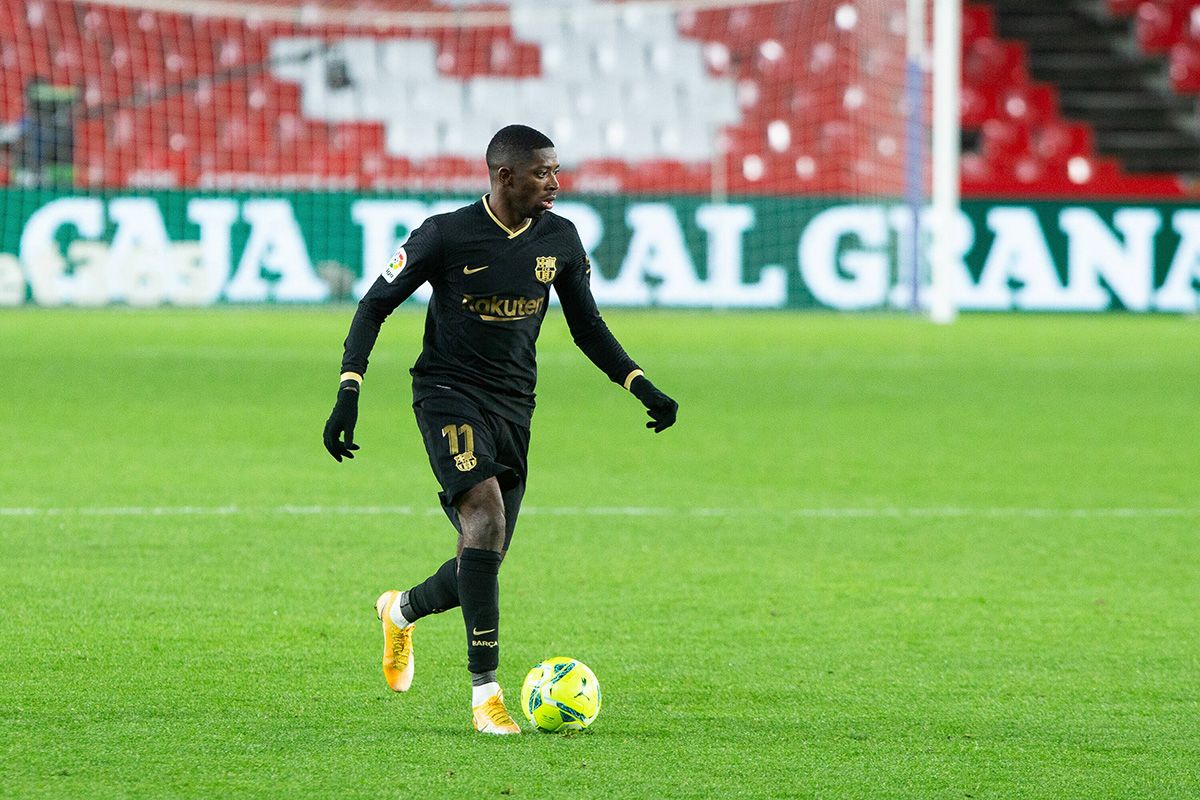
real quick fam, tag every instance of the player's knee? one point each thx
(485, 531)
(481, 513)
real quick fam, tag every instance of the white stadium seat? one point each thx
(624, 86)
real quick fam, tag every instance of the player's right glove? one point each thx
(662, 409)
(342, 420)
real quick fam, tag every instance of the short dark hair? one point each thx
(513, 144)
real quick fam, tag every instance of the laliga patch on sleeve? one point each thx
(395, 265)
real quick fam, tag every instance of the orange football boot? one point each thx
(397, 645)
(491, 716)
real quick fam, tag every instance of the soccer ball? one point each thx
(561, 694)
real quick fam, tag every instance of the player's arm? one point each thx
(593, 337)
(412, 265)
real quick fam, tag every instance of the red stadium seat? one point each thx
(1185, 67)
(977, 106)
(1030, 104)
(977, 23)
(1004, 141)
(977, 171)
(1123, 8)
(1057, 141)
(1159, 25)
(988, 62)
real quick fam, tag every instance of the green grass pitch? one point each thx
(875, 559)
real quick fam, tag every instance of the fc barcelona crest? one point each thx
(545, 268)
(465, 461)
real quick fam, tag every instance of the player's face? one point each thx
(535, 184)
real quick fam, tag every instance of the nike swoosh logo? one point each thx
(475, 632)
(470, 271)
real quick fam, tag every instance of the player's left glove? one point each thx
(342, 420)
(662, 409)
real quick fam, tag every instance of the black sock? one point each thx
(438, 593)
(479, 593)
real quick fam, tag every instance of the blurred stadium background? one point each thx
(718, 153)
(875, 558)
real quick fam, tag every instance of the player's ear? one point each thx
(504, 176)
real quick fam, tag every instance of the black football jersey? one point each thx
(491, 286)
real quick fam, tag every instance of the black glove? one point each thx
(662, 409)
(345, 414)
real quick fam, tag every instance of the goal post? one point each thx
(947, 147)
(930, 288)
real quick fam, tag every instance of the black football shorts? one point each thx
(466, 445)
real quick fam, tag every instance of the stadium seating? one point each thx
(1170, 27)
(782, 99)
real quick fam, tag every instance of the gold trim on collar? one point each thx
(511, 233)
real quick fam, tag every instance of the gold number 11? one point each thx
(468, 434)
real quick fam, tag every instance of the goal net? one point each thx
(715, 153)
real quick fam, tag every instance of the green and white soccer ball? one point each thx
(561, 694)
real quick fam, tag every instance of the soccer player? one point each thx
(491, 265)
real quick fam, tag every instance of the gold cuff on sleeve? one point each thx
(629, 378)
(351, 376)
